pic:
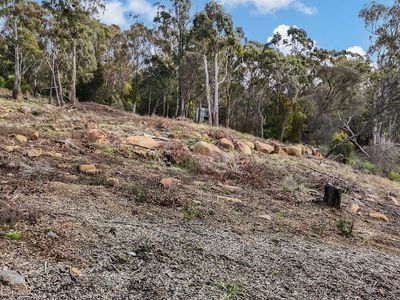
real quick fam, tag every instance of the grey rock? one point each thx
(13, 279)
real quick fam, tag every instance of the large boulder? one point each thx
(243, 148)
(249, 144)
(206, 149)
(142, 141)
(226, 144)
(296, 150)
(95, 135)
(264, 148)
(210, 150)
(274, 144)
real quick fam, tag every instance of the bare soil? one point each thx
(252, 228)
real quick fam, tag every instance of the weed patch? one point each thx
(345, 227)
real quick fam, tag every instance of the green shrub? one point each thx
(345, 227)
(395, 176)
(13, 235)
(231, 289)
(346, 149)
(2, 82)
(189, 213)
(108, 151)
(363, 165)
(26, 88)
(9, 83)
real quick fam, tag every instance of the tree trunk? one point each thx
(180, 96)
(261, 119)
(164, 104)
(284, 129)
(177, 101)
(228, 113)
(208, 92)
(73, 84)
(332, 196)
(17, 67)
(216, 90)
(149, 108)
(60, 89)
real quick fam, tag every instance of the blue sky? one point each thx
(333, 24)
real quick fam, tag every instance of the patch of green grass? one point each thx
(227, 192)
(345, 227)
(363, 165)
(231, 289)
(121, 259)
(189, 213)
(395, 176)
(13, 235)
(108, 151)
(319, 229)
(280, 215)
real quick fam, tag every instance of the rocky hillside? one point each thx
(100, 204)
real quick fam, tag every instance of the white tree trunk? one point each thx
(216, 91)
(208, 92)
(73, 84)
(17, 68)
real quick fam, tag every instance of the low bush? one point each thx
(345, 227)
(347, 149)
(395, 176)
(365, 166)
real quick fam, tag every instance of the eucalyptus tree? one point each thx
(214, 32)
(140, 43)
(21, 19)
(73, 21)
(293, 77)
(173, 37)
(383, 22)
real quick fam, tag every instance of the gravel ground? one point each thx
(150, 252)
(131, 238)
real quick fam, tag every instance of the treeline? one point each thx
(285, 88)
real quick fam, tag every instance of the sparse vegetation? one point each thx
(319, 228)
(190, 213)
(231, 290)
(364, 166)
(395, 176)
(108, 151)
(13, 235)
(345, 227)
(339, 145)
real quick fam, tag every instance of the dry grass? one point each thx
(132, 238)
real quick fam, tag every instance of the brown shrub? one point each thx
(218, 134)
(256, 174)
(176, 153)
(10, 216)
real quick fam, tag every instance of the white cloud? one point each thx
(114, 14)
(286, 48)
(282, 30)
(270, 6)
(118, 11)
(357, 50)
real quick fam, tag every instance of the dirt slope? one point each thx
(247, 227)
